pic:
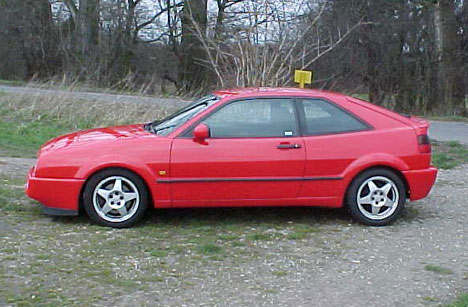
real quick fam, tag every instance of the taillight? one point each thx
(424, 143)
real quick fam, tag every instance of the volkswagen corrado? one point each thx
(242, 147)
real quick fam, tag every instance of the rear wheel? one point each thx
(376, 197)
(116, 198)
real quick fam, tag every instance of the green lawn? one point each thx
(462, 301)
(447, 155)
(20, 137)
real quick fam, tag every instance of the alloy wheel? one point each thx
(377, 198)
(116, 199)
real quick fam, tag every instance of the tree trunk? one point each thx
(88, 31)
(407, 80)
(376, 95)
(219, 27)
(448, 75)
(193, 73)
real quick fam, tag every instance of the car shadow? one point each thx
(247, 216)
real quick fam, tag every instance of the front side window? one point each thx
(322, 117)
(254, 118)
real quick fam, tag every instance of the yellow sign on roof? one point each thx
(303, 77)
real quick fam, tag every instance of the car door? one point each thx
(254, 153)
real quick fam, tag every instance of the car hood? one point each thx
(95, 135)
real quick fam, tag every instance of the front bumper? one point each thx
(59, 196)
(420, 182)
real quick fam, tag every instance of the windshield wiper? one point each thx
(150, 126)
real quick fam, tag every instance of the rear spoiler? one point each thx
(422, 124)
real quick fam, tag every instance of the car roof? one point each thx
(273, 91)
(252, 92)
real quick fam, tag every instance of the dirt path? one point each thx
(15, 167)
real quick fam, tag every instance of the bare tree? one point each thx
(265, 49)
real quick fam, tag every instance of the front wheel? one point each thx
(115, 197)
(376, 197)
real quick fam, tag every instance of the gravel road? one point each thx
(422, 260)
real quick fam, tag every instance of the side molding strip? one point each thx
(195, 180)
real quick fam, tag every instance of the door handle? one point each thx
(289, 146)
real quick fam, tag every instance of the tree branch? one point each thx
(72, 8)
(146, 23)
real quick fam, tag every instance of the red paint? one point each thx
(204, 171)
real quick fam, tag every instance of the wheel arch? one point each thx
(98, 170)
(393, 169)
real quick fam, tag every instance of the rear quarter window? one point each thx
(323, 117)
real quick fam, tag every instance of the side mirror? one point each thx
(201, 133)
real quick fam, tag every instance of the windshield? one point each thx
(177, 119)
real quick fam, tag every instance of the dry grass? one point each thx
(76, 111)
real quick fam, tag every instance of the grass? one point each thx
(12, 197)
(260, 237)
(26, 122)
(12, 82)
(438, 269)
(462, 301)
(158, 253)
(448, 118)
(209, 248)
(447, 155)
(279, 273)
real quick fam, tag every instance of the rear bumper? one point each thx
(59, 196)
(420, 182)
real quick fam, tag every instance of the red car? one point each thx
(242, 147)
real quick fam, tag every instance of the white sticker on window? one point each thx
(288, 133)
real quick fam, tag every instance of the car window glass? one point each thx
(322, 117)
(254, 118)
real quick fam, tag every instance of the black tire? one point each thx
(359, 211)
(129, 182)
